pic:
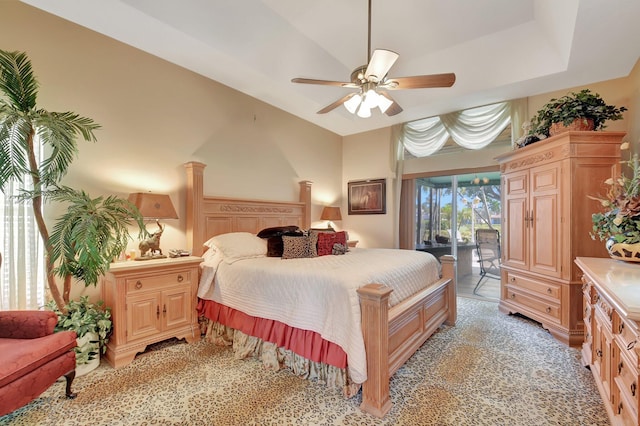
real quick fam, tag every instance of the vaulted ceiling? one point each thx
(498, 49)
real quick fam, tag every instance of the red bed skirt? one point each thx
(308, 344)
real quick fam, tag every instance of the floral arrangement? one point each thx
(621, 218)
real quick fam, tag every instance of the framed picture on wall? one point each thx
(367, 196)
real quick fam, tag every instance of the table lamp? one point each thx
(329, 214)
(153, 206)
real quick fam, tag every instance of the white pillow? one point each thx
(236, 246)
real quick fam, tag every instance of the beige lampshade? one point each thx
(153, 206)
(331, 213)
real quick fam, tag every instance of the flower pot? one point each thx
(623, 251)
(579, 124)
(88, 342)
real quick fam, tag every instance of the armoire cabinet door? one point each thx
(515, 207)
(544, 220)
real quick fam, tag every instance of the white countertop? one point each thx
(618, 279)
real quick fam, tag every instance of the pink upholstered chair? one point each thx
(32, 357)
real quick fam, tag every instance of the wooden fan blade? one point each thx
(420, 81)
(394, 108)
(336, 104)
(324, 82)
(381, 62)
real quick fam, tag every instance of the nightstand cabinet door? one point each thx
(143, 316)
(175, 308)
(150, 301)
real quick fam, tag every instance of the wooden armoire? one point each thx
(546, 224)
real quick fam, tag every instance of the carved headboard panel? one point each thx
(210, 216)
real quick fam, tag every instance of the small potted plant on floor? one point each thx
(92, 324)
(581, 110)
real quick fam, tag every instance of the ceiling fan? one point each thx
(372, 82)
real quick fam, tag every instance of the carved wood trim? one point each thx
(529, 161)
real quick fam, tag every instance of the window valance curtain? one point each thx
(472, 128)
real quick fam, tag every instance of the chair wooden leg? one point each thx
(69, 377)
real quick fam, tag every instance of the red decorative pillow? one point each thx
(326, 241)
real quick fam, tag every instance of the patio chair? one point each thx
(488, 247)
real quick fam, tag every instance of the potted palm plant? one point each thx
(581, 110)
(93, 232)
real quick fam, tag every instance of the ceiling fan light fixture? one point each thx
(364, 111)
(384, 103)
(370, 99)
(352, 104)
(373, 76)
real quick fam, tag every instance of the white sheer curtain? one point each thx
(22, 273)
(472, 128)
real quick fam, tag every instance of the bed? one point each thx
(389, 334)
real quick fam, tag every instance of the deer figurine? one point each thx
(152, 243)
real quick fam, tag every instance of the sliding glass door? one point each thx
(450, 209)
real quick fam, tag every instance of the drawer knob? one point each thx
(621, 327)
(180, 278)
(620, 408)
(548, 309)
(138, 284)
(512, 279)
(633, 388)
(599, 353)
(620, 367)
(631, 345)
(549, 290)
(512, 295)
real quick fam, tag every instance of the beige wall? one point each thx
(367, 156)
(155, 116)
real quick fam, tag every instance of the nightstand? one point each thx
(150, 301)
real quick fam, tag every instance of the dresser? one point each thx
(546, 220)
(611, 309)
(150, 301)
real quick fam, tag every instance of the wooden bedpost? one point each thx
(195, 196)
(305, 197)
(374, 306)
(449, 271)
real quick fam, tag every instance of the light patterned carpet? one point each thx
(491, 369)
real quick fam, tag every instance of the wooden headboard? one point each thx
(210, 216)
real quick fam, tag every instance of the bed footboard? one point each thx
(392, 335)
